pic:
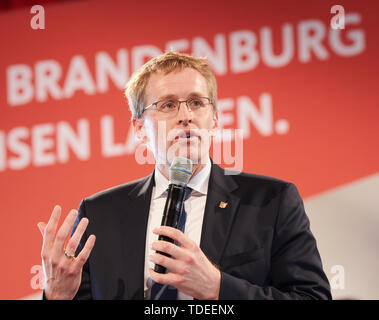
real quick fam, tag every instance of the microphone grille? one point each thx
(180, 171)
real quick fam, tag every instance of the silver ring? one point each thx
(70, 256)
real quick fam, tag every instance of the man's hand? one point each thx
(62, 271)
(190, 270)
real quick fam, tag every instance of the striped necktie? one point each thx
(164, 291)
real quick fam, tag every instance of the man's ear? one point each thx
(139, 129)
(215, 124)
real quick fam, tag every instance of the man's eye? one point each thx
(168, 105)
(196, 103)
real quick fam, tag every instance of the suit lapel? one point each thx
(220, 210)
(134, 225)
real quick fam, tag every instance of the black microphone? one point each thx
(180, 173)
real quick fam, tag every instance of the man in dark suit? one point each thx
(245, 237)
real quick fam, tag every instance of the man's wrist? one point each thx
(216, 294)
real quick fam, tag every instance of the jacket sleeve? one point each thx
(295, 267)
(84, 292)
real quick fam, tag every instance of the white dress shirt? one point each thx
(194, 206)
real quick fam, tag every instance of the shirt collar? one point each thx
(198, 183)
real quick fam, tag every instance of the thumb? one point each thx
(41, 226)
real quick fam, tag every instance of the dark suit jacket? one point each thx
(261, 241)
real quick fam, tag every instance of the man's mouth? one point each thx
(187, 135)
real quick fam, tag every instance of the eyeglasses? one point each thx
(172, 106)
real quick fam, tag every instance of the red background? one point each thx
(331, 105)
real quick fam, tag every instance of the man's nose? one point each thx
(185, 114)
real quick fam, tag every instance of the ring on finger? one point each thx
(70, 256)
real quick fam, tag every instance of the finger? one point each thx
(75, 239)
(173, 265)
(64, 231)
(174, 234)
(84, 254)
(41, 227)
(166, 278)
(169, 248)
(51, 227)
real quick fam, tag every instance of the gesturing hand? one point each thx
(62, 271)
(191, 272)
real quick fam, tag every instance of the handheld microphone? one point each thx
(180, 173)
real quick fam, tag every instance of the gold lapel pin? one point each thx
(223, 204)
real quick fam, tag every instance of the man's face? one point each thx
(185, 133)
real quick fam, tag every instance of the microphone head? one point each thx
(180, 171)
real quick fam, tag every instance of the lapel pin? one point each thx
(223, 204)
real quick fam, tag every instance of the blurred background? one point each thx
(298, 78)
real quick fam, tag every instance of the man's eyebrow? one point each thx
(174, 96)
(168, 96)
(197, 94)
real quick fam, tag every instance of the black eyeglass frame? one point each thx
(179, 101)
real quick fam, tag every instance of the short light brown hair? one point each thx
(167, 62)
